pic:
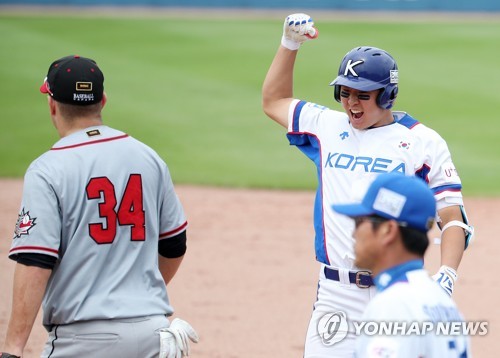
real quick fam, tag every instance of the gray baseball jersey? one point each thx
(99, 201)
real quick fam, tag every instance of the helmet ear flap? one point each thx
(387, 96)
(336, 93)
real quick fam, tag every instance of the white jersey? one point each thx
(348, 159)
(407, 294)
(99, 201)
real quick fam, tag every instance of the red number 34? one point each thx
(130, 212)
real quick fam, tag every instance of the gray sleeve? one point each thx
(38, 227)
(172, 218)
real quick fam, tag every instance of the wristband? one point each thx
(289, 44)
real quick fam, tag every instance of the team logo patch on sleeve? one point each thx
(24, 224)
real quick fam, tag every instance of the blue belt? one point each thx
(362, 279)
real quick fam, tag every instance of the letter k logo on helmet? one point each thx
(349, 67)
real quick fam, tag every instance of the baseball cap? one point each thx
(395, 196)
(74, 80)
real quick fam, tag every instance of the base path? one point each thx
(248, 281)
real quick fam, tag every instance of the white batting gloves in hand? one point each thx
(174, 340)
(297, 29)
(446, 277)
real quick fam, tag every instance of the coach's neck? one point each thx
(68, 119)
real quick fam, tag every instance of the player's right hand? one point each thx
(297, 29)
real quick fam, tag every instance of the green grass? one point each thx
(190, 88)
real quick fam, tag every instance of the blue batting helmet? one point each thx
(366, 69)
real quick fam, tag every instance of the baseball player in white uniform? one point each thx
(349, 150)
(100, 233)
(391, 225)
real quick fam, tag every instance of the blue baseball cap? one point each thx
(394, 196)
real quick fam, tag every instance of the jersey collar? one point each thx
(396, 274)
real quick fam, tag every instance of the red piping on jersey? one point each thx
(92, 142)
(38, 248)
(173, 232)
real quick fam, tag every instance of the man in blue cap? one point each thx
(391, 225)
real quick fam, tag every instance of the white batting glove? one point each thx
(297, 29)
(168, 345)
(446, 277)
(174, 340)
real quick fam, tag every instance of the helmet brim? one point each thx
(360, 84)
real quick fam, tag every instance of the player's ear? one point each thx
(389, 231)
(104, 100)
(52, 105)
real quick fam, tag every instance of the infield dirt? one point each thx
(248, 280)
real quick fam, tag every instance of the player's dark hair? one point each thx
(70, 111)
(415, 241)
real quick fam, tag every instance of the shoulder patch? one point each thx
(24, 224)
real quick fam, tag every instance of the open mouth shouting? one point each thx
(356, 114)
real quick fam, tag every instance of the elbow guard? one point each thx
(464, 224)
